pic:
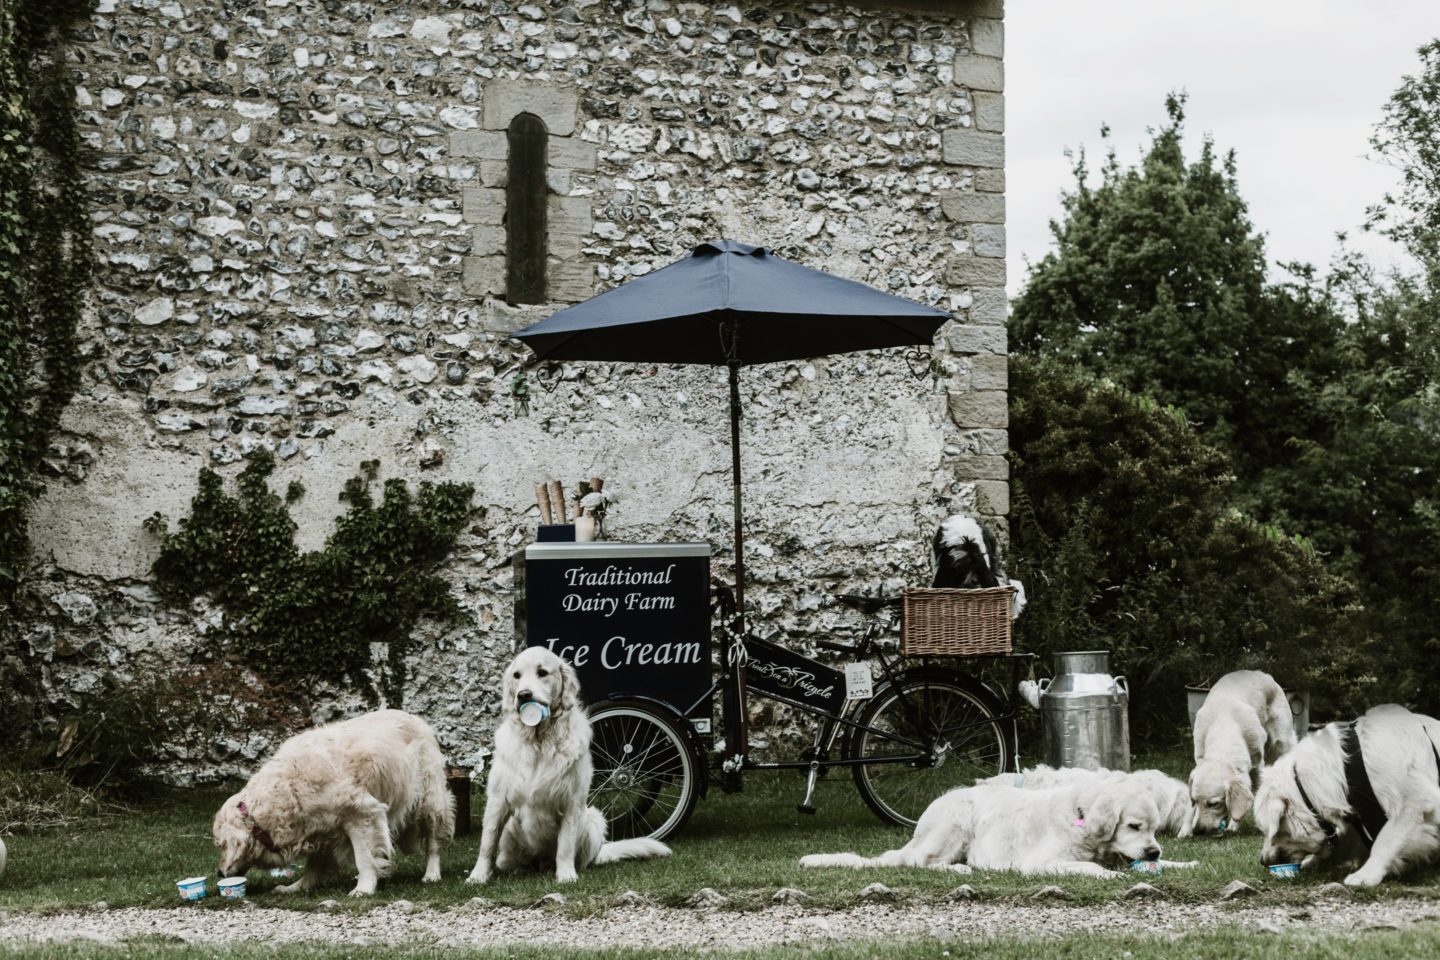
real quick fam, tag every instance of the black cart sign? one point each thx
(634, 618)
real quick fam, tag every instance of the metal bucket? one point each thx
(1084, 713)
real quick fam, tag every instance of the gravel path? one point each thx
(658, 927)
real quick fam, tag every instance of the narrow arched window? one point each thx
(525, 189)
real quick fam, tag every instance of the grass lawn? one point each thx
(744, 845)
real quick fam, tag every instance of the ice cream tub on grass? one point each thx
(232, 888)
(1152, 867)
(1285, 871)
(191, 888)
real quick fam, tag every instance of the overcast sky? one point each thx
(1294, 86)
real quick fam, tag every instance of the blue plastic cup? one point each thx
(191, 888)
(533, 713)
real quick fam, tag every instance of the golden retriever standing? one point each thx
(336, 794)
(1366, 792)
(1243, 725)
(1093, 827)
(535, 810)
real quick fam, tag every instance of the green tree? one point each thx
(1126, 534)
(1158, 281)
(1408, 138)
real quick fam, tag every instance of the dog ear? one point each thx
(507, 686)
(1102, 816)
(569, 686)
(1238, 799)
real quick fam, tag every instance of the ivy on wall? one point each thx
(302, 618)
(45, 258)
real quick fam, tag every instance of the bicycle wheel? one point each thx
(646, 779)
(951, 715)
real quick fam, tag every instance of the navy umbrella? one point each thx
(731, 304)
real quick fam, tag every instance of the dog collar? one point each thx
(261, 835)
(1325, 824)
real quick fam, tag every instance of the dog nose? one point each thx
(524, 695)
(1269, 857)
(1152, 853)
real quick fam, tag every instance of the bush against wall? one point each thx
(45, 257)
(306, 618)
(190, 713)
(1125, 531)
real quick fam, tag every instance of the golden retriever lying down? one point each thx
(535, 798)
(1094, 827)
(335, 795)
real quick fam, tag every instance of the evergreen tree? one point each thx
(1158, 283)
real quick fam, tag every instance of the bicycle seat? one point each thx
(867, 604)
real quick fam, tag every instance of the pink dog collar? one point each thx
(261, 835)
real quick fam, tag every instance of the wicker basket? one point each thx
(956, 623)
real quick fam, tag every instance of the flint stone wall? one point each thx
(298, 216)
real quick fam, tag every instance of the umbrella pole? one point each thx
(736, 733)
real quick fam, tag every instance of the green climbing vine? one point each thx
(45, 258)
(301, 618)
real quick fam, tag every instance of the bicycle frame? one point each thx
(831, 721)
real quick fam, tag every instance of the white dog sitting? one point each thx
(336, 794)
(1367, 792)
(535, 800)
(1095, 828)
(1172, 797)
(1243, 725)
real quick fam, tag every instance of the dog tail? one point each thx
(641, 848)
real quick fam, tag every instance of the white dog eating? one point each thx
(1367, 792)
(535, 809)
(1095, 828)
(337, 793)
(1243, 725)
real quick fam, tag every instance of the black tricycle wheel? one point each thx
(955, 717)
(647, 773)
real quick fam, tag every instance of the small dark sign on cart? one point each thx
(634, 618)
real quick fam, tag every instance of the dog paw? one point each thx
(289, 888)
(361, 891)
(569, 876)
(478, 878)
(1362, 879)
(960, 868)
(431, 878)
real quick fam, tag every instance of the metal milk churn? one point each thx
(1084, 713)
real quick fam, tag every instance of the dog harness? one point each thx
(1366, 814)
(261, 835)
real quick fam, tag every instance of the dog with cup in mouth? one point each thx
(535, 799)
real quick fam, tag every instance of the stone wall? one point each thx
(298, 214)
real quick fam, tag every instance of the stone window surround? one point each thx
(569, 279)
